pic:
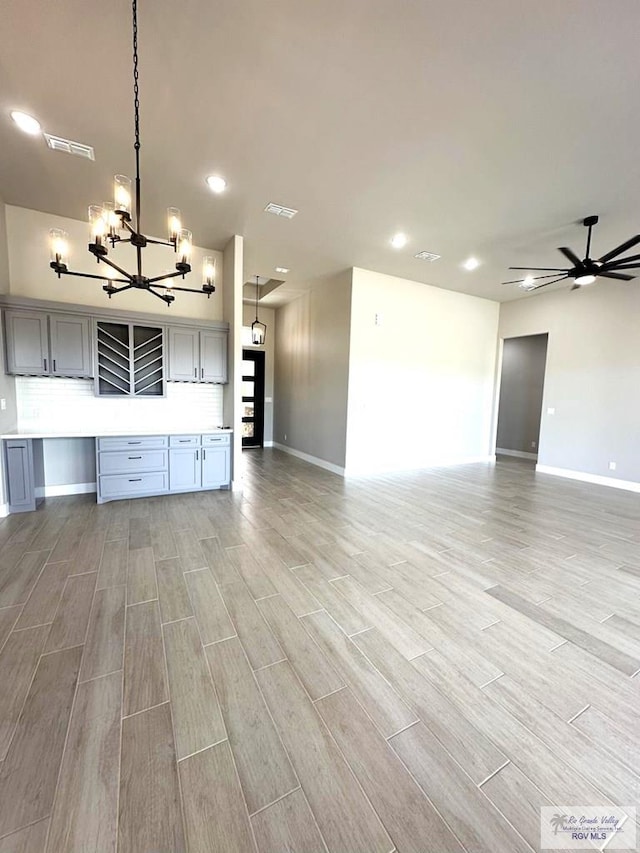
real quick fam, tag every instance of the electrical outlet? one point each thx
(285, 436)
(612, 466)
(3, 404)
(378, 320)
(533, 444)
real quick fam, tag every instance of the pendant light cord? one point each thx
(257, 283)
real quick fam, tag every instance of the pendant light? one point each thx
(258, 329)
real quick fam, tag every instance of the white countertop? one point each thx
(103, 433)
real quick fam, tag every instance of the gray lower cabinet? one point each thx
(19, 474)
(139, 466)
(185, 469)
(48, 344)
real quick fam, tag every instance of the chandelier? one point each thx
(116, 222)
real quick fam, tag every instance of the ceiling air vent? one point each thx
(427, 256)
(57, 143)
(279, 210)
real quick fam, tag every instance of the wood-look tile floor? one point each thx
(414, 663)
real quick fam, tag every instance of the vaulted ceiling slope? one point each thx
(483, 129)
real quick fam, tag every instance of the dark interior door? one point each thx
(252, 398)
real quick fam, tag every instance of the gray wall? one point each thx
(592, 378)
(312, 370)
(521, 387)
(267, 316)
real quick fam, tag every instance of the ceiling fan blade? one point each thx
(540, 269)
(570, 255)
(629, 259)
(620, 249)
(534, 278)
(616, 275)
(538, 286)
(616, 267)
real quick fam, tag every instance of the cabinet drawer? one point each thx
(126, 486)
(218, 439)
(184, 441)
(127, 441)
(132, 461)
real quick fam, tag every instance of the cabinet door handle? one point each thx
(204, 454)
(136, 480)
(54, 365)
(135, 457)
(184, 440)
(197, 455)
(195, 372)
(45, 364)
(134, 442)
(202, 373)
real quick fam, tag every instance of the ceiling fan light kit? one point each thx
(111, 223)
(586, 271)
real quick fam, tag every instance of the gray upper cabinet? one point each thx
(184, 354)
(48, 344)
(70, 345)
(213, 356)
(197, 355)
(27, 343)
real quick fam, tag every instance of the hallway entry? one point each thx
(521, 387)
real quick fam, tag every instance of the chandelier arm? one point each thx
(187, 289)
(165, 276)
(104, 260)
(167, 299)
(112, 290)
(90, 275)
(160, 242)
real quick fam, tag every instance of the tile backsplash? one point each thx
(52, 404)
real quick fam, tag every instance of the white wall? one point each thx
(268, 317)
(312, 370)
(30, 275)
(421, 381)
(592, 377)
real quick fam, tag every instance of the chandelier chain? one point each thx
(136, 88)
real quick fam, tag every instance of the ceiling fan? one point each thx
(587, 270)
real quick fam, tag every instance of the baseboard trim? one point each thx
(313, 460)
(267, 444)
(444, 463)
(520, 454)
(596, 479)
(4, 510)
(61, 491)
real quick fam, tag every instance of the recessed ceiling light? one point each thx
(471, 264)
(283, 270)
(528, 283)
(399, 241)
(427, 256)
(216, 183)
(27, 123)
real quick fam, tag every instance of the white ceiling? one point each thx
(485, 128)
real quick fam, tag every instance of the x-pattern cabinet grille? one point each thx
(130, 360)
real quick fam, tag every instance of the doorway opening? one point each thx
(252, 398)
(524, 361)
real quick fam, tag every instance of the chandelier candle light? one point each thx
(112, 223)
